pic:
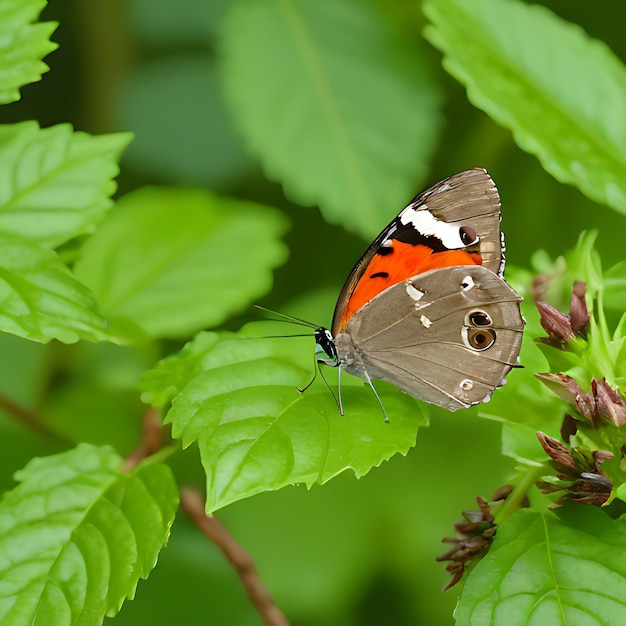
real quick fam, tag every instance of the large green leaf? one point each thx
(22, 45)
(176, 260)
(256, 432)
(545, 570)
(337, 105)
(77, 534)
(55, 184)
(562, 94)
(41, 300)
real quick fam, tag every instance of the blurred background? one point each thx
(351, 552)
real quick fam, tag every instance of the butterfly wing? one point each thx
(448, 336)
(455, 222)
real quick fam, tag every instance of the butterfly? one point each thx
(426, 307)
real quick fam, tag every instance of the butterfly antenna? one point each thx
(279, 336)
(300, 322)
(286, 318)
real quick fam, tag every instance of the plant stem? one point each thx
(520, 491)
(193, 505)
(151, 442)
(30, 419)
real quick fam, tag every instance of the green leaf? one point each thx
(164, 382)
(161, 384)
(257, 433)
(337, 105)
(620, 492)
(543, 569)
(599, 354)
(174, 261)
(615, 287)
(620, 359)
(77, 534)
(55, 184)
(561, 93)
(22, 46)
(580, 263)
(41, 300)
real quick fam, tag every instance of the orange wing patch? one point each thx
(401, 262)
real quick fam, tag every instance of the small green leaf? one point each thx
(55, 184)
(599, 353)
(344, 113)
(544, 569)
(41, 300)
(615, 287)
(174, 261)
(620, 492)
(583, 263)
(22, 46)
(561, 93)
(620, 359)
(257, 433)
(77, 534)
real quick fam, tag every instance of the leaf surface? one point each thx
(55, 184)
(40, 299)
(337, 105)
(22, 46)
(543, 569)
(77, 534)
(173, 261)
(257, 433)
(560, 92)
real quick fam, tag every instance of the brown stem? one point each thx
(29, 419)
(193, 505)
(151, 442)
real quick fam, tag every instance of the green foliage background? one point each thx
(214, 92)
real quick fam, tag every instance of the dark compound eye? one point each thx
(468, 235)
(481, 339)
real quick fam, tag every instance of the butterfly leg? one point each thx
(368, 380)
(316, 365)
(339, 401)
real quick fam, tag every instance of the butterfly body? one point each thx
(426, 307)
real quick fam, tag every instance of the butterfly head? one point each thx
(325, 349)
